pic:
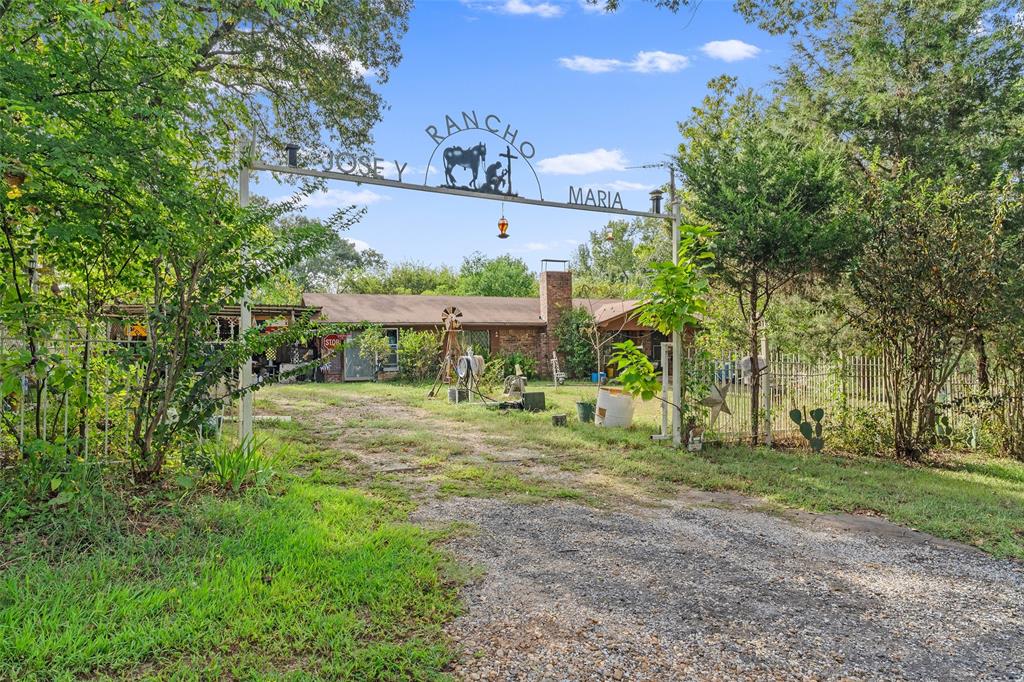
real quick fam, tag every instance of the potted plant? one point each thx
(585, 410)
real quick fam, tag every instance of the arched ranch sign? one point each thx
(476, 153)
(462, 163)
(482, 157)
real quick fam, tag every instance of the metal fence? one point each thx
(93, 413)
(840, 386)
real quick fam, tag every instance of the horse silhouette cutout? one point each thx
(471, 159)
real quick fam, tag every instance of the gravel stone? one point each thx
(697, 592)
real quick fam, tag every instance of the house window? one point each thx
(479, 340)
(391, 361)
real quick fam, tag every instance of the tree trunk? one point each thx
(755, 374)
(981, 355)
(83, 409)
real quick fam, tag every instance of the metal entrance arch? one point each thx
(245, 375)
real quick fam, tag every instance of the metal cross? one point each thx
(508, 156)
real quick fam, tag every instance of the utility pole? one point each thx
(245, 317)
(677, 337)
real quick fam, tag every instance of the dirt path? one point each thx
(706, 586)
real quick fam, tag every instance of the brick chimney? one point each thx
(555, 298)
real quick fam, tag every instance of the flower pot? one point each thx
(585, 411)
(614, 408)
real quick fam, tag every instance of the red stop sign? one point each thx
(331, 341)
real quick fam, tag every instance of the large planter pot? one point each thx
(614, 408)
(585, 411)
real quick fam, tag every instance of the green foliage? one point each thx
(402, 278)
(229, 587)
(126, 199)
(925, 99)
(501, 276)
(813, 433)
(291, 70)
(772, 192)
(328, 269)
(577, 334)
(617, 258)
(237, 465)
(947, 237)
(373, 344)
(635, 371)
(508, 362)
(419, 354)
(493, 378)
(677, 294)
(862, 431)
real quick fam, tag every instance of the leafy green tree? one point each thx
(925, 98)
(576, 332)
(292, 69)
(771, 194)
(408, 277)
(327, 270)
(501, 276)
(616, 260)
(116, 147)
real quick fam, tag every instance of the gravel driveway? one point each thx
(704, 592)
(705, 586)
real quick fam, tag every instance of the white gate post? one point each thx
(766, 388)
(244, 321)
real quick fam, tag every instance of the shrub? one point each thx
(862, 431)
(373, 345)
(419, 354)
(575, 333)
(509, 361)
(235, 465)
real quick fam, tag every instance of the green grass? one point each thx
(972, 498)
(311, 581)
(472, 480)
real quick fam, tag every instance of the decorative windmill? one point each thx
(451, 349)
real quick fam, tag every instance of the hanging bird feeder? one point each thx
(502, 228)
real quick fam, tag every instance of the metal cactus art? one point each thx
(813, 433)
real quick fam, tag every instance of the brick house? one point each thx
(491, 323)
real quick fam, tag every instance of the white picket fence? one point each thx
(839, 386)
(54, 416)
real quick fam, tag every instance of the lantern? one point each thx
(609, 236)
(502, 228)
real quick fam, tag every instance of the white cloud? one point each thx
(534, 247)
(591, 64)
(654, 61)
(537, 246)
(730, 50)
(593, 8)
(357, 68)
(659, 62)
(545, 10)
(359, 244)
(583, 163)
(410, 173)
(624, 186)
(337, 198)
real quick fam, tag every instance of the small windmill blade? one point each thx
(450, 316)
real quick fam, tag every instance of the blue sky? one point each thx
(592, 92)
